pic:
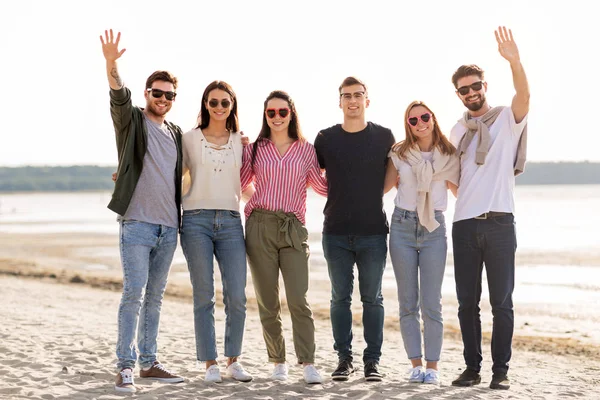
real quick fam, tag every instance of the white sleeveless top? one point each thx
(211, 173)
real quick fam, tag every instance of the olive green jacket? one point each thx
(132, 142)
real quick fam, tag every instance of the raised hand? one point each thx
(506, 45)
(110, 46)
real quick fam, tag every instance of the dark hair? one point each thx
(466, 70)
(231, 124)
(351, 80)
(165, 76)
(294, 131)
(439, 140)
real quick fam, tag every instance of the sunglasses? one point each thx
(214, 103)
(157, 94)
(283, 112)
(464, 90)
(413, 121)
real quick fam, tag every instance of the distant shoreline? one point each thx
(88, 178)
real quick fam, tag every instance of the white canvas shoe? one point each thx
(237, 372)
(311, 374)
(416, 375)
(432, 376)
(280, 372)
(213, 374)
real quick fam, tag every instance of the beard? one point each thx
(477, 105)
(154, 110)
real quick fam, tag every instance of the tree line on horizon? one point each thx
(92, 177)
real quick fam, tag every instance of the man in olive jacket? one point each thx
(147, 198)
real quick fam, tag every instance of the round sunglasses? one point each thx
(214, 103)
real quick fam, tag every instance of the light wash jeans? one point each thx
(419, 260)
(206, 234)
(146, 254)
(369, 254)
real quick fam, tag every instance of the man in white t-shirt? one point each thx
(489, 141)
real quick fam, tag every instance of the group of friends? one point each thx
(170, 183)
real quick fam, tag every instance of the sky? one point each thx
(56, 91)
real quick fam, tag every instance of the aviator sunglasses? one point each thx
(157, 94)
(214, 103)
(413, 121)
(464, 90)
(283, 112)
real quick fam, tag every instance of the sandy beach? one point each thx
(58, 334)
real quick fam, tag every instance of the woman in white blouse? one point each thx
(212, 227)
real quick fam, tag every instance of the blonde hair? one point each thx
(439, 139)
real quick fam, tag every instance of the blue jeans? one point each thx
(419, 260)
(492, 242)
(369, 254)
(206, 234)
(146, 254)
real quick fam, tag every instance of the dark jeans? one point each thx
(369, 254)
(492, 242)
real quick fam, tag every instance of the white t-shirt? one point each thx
(406, 197)
(488, 187)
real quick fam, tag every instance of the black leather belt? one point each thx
(492, 214)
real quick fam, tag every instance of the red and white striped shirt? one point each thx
(281, 181)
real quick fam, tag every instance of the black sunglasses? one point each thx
(157, 93)
(415, 120)
(464, 90)
(283, 112)
(214, 103)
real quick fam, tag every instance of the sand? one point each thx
(58, 334)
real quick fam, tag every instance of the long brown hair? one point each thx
(439, 139)
(294, 131)
(232, 123)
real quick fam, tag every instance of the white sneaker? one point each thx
(213, 374)
(237, 372)
(311, 375)
(432, 377)
(280, 372)
(416, 375)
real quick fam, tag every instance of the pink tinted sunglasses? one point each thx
(413, 121)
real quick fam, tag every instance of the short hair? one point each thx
(466, 70)
(161, 76)
(351, 80)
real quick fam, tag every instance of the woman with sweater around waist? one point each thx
(426, 163)
(281, 163)
(211, 225)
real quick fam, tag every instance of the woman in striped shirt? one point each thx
(281, 163)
